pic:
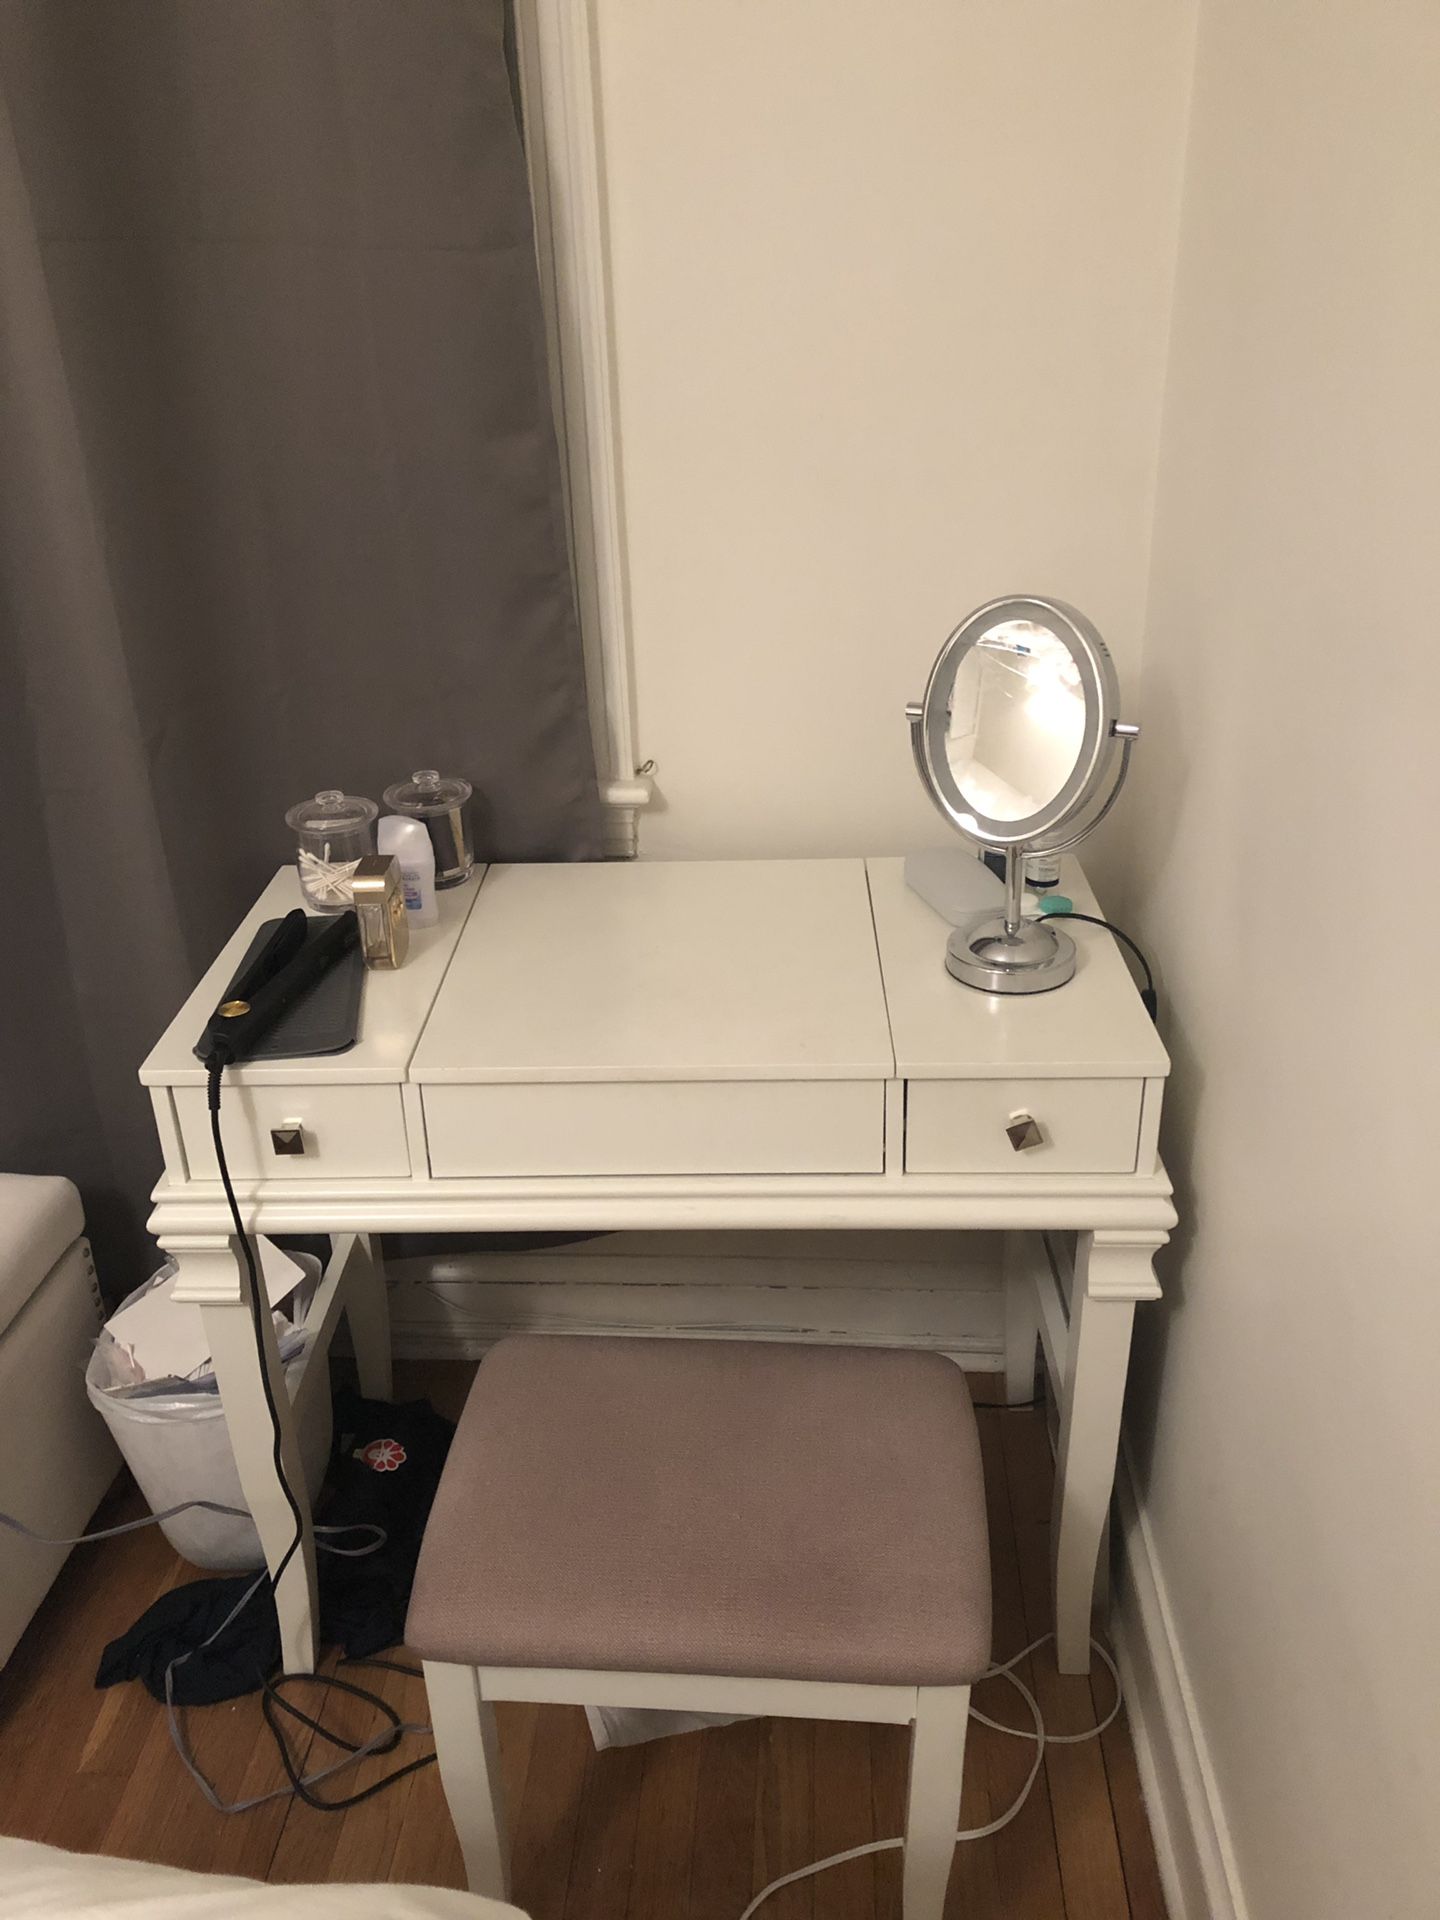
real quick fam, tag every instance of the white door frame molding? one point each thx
(564, 144)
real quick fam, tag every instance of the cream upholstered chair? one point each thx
(719, 1526)
(56, 1455)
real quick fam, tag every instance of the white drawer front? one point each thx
(348, 1132)
(959, 1126)
(656, 1127)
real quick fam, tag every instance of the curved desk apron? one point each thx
(688, 1045)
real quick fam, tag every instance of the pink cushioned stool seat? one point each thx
(711, 1507)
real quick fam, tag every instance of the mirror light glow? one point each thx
(1016, 720)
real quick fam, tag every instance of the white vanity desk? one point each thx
(698, 1045)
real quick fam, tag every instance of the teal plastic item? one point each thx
(1056, 903)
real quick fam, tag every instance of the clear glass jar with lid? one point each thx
(444, 806)
(335, 831)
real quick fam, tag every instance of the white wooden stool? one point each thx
(718, 1526)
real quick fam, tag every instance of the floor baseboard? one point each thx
(1192, 1842)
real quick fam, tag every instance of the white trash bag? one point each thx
(171, 1426)
(628, 1726)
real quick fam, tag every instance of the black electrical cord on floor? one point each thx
(1148, 996)
(271, 1698)
(273, 1703)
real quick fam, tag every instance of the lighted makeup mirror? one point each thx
(1016, 744)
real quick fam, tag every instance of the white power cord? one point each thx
(1041, 1738)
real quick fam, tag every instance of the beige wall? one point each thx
(1282, 831)
(891, 287)
(892, 298)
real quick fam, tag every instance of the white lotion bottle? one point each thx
(409, 841)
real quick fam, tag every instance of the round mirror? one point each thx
(1014, 742)
(1014, 733)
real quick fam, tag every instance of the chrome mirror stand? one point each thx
(1008, 953)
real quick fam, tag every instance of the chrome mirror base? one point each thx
(1033, 958)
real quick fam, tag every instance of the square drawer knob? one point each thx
(1023, 1131)
(288, 1138)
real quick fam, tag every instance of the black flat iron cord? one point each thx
(1148, 996)
(215, 1069)
(270, 1697)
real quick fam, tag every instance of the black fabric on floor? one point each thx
(239, 1662)
(383, 1472)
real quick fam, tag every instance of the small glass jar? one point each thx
(335, 831)
(444, 806)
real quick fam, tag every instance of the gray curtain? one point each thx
(279, 501)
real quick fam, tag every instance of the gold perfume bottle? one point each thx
(379, 895)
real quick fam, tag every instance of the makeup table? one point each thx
(698, 1045)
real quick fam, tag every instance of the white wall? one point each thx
(891, 287)
(1284, 1398)
(839, 433)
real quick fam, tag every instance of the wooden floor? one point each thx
(685, 1827)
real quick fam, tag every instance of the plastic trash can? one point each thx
(177, 1445)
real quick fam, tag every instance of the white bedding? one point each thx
(42, 1883)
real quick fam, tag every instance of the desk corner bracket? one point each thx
(1118, 1264)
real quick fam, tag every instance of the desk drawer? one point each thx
(656, 1127)
(958, 1126)
(348, 1132)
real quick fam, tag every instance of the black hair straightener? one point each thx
(285, 969)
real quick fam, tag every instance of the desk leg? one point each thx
(229, 1329)
(1022, 1322)
(367, 1313)
(1112, 1272)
